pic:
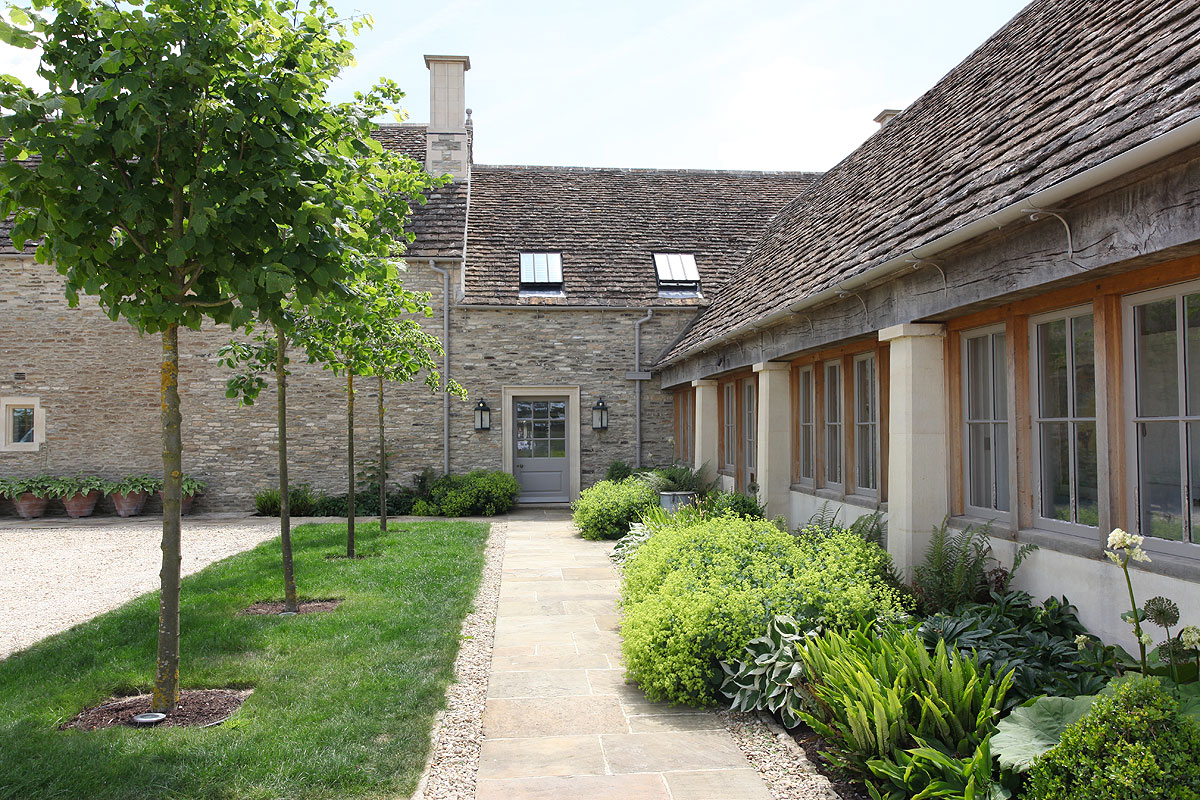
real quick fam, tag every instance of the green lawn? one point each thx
(342, 704)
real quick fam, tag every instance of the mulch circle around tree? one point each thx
(267, 607)
(197, 708)
(843, 785)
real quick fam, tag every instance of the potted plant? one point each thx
(678, 485)
(79, 494)
(29, 495)
(191, 489)
(129, 493)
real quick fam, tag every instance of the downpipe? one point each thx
(637, 397)
(445, 273)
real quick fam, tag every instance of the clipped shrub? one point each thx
(478, 493)
(618, 471)
(608, 509)
(1134, 743)
(695, 595)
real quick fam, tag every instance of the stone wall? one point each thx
(97, 381)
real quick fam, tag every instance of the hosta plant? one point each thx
(79, 484)
(132, 484)
(39, 486)
(770, 674)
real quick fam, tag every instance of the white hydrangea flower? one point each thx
(1116, 539)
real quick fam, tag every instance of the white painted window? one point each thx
(749, 430)
(24, 424)
(985, 422)
(541, 271)
(677, 273)
(833, 424)
(1163, 404)
(1065, 463)
(866, 425)
(730, 422)
(807, 425)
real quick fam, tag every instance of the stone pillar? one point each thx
(707, 427)
(918, 444)
(773, 445)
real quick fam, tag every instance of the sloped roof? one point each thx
(440, 224)
(607, 223)
(1064, 86)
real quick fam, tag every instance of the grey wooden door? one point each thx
(540, 449)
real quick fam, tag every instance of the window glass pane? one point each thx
(526, 267)
(1087, 493)
(1159, 481)
(1083, 351)
(558, 410)
(833, 454)
(806, 406)
(21, 424)
(999, 376)
(541, 410)
(864, 457)
(1192, 322)
(1052, 371)
(749, 429)
(1194, 471)
(806, 452)
(979, 455)
(1001, 467)
(1156, 371)
(864, 390)
(979, 395)
(524, 410)
(833, 393)
(1055, 448)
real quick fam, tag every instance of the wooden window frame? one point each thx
(845, 355)
(1006, 480)
(736, 468)
(798, 455)
(865, 491)
(684, 424)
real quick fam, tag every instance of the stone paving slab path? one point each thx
(560, 722)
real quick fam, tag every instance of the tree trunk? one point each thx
(290, 600)
(350, 463)
(166, 677)
(382, 466)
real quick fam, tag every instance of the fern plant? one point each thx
(959, 568)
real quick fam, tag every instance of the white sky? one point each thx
(761, 84)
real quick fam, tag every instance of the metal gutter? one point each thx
(563, 307)
(1135, 158)
(638, 380)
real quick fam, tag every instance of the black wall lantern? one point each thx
(483, 416)
(600, 416)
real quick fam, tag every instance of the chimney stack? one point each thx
(446, 146)
(887, 115)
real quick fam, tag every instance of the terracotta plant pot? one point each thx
(129, 505)
(81, 505)
(185, 503)
(30, 506)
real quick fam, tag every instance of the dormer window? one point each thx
(677, 275)
(541, 273)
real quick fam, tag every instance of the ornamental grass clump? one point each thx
(696, 595)
(1133, 744)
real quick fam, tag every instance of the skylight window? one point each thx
(541, 272)
(677, 273)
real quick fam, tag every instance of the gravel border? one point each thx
(457, 734)
(773, 752)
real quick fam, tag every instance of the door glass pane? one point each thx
(558, 428)
(1159, 482)
(979, 395)
(541, 448)
(1083, 345)
(1157, 372)
(1087, 493)
(1055, 446)
(524, 409)
(999, 376)
(979, 444)
(558, 410)
(541, 428)
(558, 448)
(524, 448)
(1052, 371)
(1001, 467)
(541, 410)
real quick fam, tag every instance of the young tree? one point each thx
(189, 168)
(374, 336)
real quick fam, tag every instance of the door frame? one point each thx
(571, 393)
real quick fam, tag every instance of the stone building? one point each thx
(990, 311)
(554, 288)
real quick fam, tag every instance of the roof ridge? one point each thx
(652, 170)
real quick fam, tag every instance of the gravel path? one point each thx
(57, 573)
(784, 766)
(458, 731)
